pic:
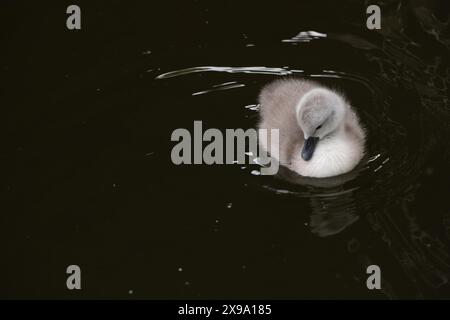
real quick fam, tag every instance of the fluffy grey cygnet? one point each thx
(320, 134)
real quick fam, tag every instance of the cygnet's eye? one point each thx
(319, 127)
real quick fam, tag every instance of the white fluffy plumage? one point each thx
(303, 108)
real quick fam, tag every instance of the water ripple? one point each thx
(250, 70)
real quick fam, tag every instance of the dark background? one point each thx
(87, 179)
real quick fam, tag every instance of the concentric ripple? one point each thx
(403, 105)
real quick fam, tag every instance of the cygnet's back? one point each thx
(277, 101)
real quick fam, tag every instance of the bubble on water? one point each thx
(353, 245)
(375, 157)
(253, 107)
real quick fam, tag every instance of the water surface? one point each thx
(87, 118)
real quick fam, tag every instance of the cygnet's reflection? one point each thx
(333, 207)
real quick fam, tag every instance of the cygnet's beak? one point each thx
(309, 147)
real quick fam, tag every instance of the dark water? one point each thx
(87, 178)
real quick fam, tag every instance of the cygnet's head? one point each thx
(320, 113)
